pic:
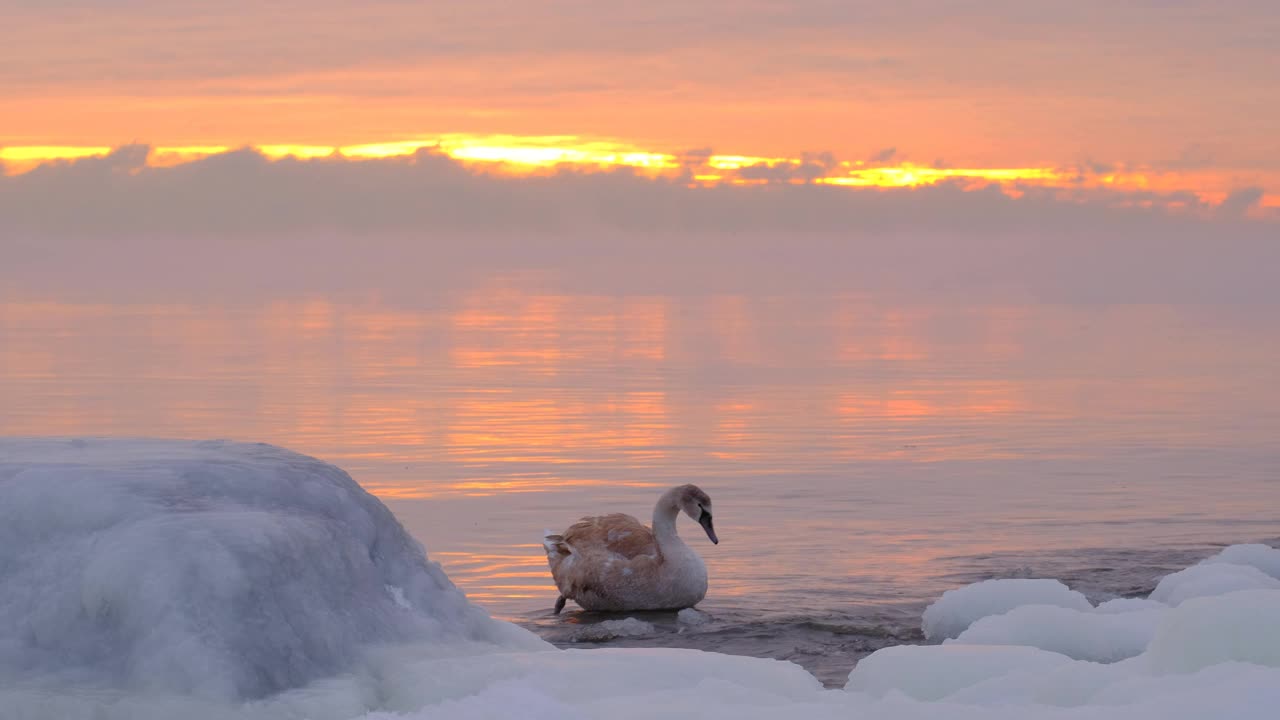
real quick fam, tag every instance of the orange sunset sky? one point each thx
(1163, 96)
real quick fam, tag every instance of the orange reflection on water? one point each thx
(507, 391)
(734, 326)
(486, 488)
(642, 327)
(522, 401)
(503, 426)
(870, 333)
(933, 399)
(510, 344)
(497, 576)
(734, 436)
(505, 327)
(509, 329)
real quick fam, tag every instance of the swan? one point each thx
(613, 563)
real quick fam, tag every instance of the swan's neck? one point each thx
(664, 521)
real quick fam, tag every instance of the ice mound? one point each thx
(1211, 656)
(958, 609)
(1081, 635)
(1262, 557)
(1206, 643)
(1237, 627)
(934, 672)
(1207, 580)
(213, 569)
(690, 616)
(610, 629)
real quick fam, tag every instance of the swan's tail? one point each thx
(557, 551)
(554, 545)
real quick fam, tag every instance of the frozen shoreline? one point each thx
(147, 579)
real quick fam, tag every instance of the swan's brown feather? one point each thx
(618, 533)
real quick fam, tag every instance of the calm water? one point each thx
(863, 455)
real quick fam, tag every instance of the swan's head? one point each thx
(697, 504)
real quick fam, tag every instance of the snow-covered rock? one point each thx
(1236, 627)
(1209, 579)
(214, 569)
(932, 672)
(1082, 635)
(957, 609)
(1262, 557)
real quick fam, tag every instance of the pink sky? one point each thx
(996, 84)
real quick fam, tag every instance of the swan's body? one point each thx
(614, 563)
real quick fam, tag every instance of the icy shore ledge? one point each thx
(214, 569)
(163, 579)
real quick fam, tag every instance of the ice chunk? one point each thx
(610, 629)
(212, 569)
(1082, 635)
(932, 672)
(690, 616)
(1262, 557)
(958, 609)
(1076, 684)
(1210, 579)
(1236, 627)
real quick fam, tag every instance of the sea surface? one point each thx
(864, 454)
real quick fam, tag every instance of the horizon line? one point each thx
(519, 156)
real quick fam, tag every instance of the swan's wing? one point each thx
(597, 556)
(616, 534)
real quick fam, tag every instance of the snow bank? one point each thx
(1216, 656)
(216, 581)
(1263, 557)
(1206, 643)
(216, 569)
(1236, 627)
(1082, 635)
(958, 609)
(932, 673)
(1207, 580)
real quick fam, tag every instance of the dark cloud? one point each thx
(242, 191)
(697, 155)
(810, 167)
(885, 155)
(1238, 202)
(239, 223)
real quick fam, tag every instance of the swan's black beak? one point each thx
(705, 521)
